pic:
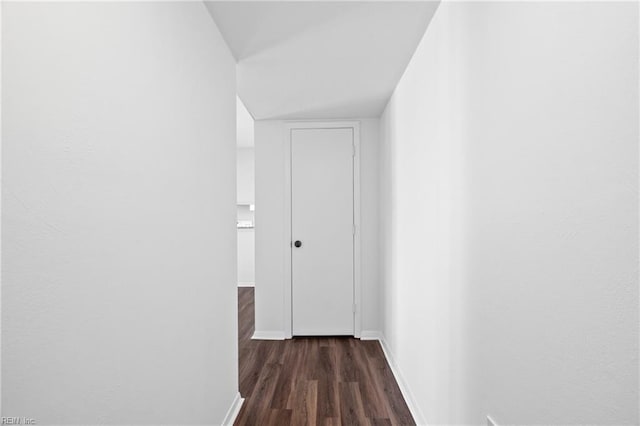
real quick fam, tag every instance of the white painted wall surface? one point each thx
(509, 215)
(246, 257)
(415, 224)
(119, 297)
(369, 146)
(270, 244)
(246, 176)
(269, 250)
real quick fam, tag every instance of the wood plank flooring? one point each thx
(314, 381)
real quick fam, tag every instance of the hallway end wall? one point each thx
(270, 244)
(509, 215)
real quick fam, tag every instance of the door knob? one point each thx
(298, 243)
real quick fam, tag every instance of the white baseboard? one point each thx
(246, 284)
(268, 335)
(369, 335)
(416, 412)
(233, 411)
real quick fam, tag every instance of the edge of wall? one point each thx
(402, 383)
(246, 284)
(234, 410)
(268, 335)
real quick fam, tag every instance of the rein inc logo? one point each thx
(18, 421)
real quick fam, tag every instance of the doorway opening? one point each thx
(245, 222)
(245, 183)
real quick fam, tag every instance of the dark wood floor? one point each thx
(314, 381)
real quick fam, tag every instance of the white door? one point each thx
(322, 221)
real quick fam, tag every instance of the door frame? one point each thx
(289, 126)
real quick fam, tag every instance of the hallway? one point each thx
(322, 381)
(455, 184)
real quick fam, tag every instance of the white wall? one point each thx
(246, 257)
(415, 224)
(119, 298)
(246, 176)
(269, 248)
(270, 243)
(509, 215)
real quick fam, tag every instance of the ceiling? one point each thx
(320, 59)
